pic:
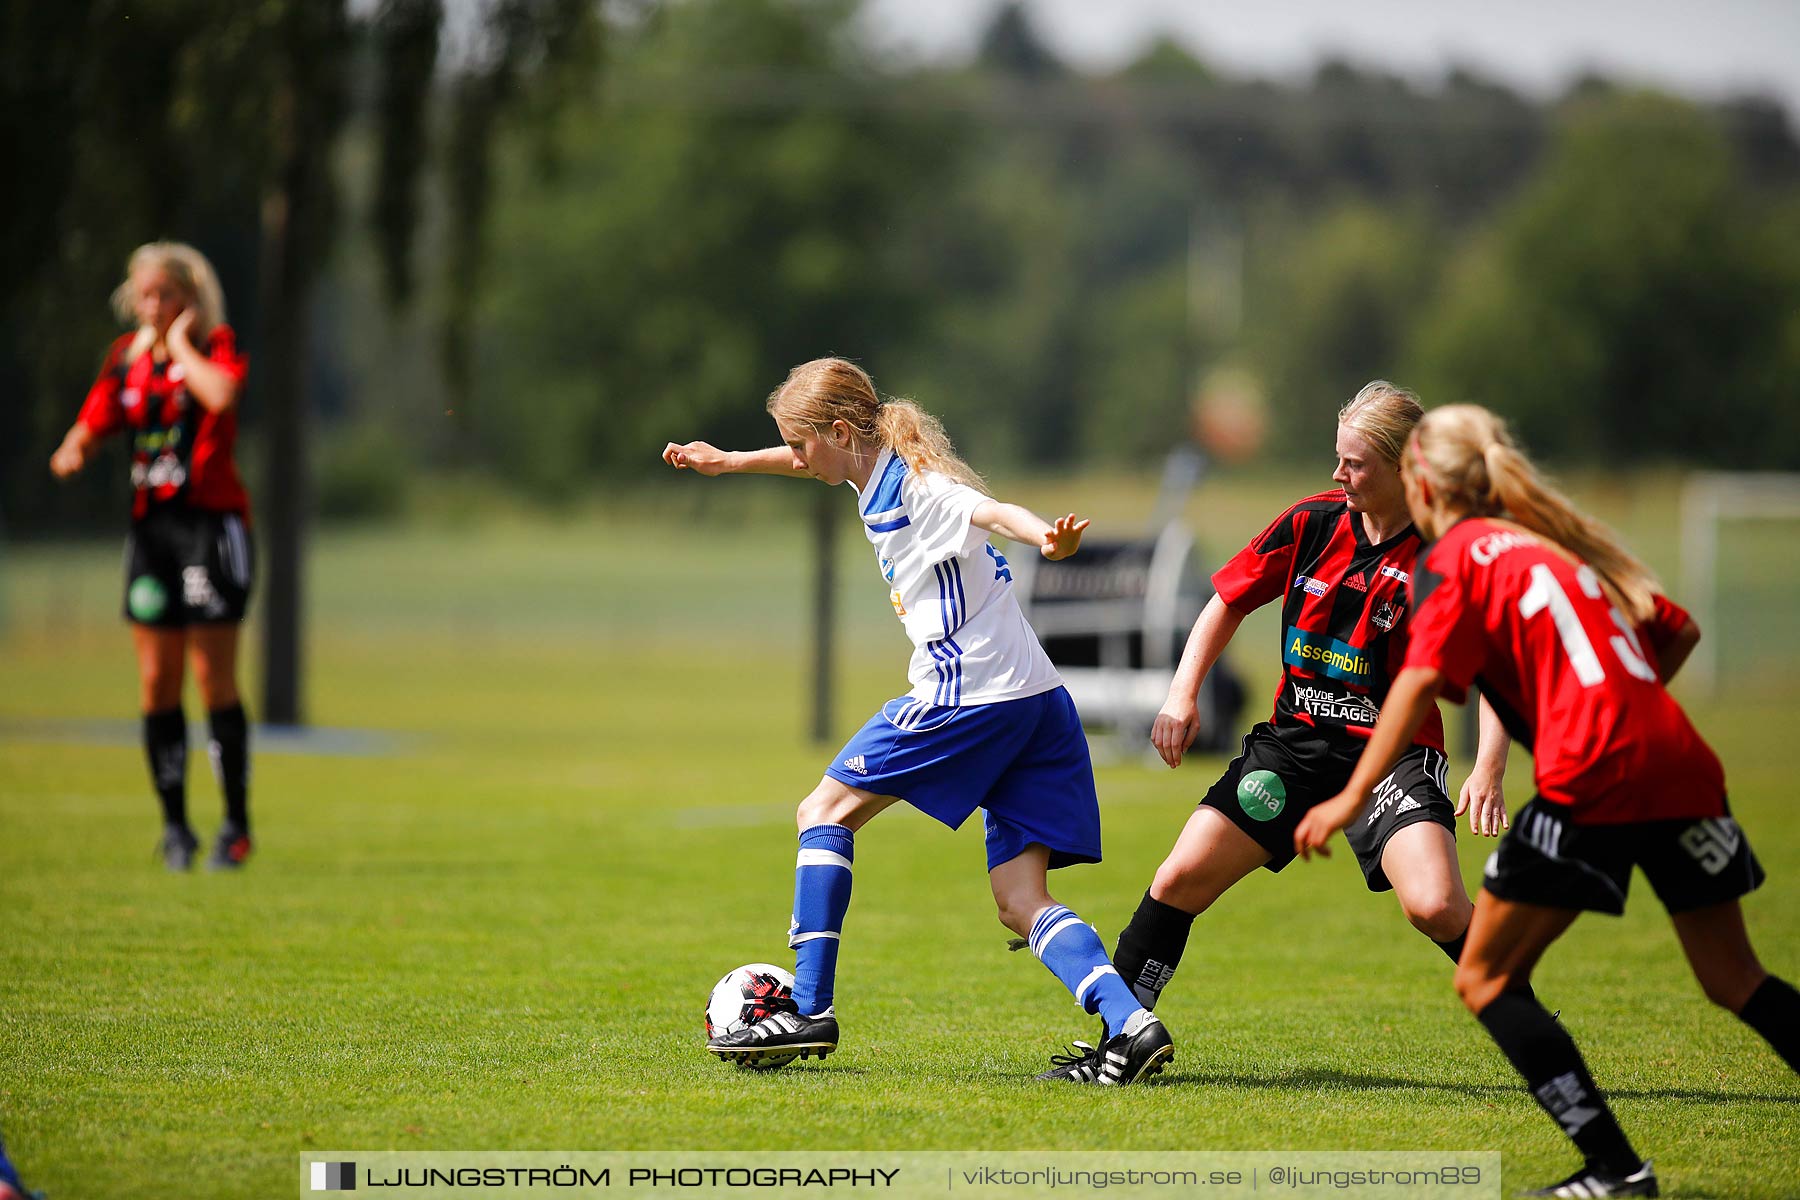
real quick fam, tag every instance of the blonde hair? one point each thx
(1385, 414)
(824, 390)
(189, 271)
(1469, 457)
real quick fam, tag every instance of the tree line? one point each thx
(547, 242)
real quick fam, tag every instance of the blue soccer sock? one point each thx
(821, 898)
(1071, 949)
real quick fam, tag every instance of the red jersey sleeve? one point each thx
(222, 352)
(1263, 570)
(1447, 633)
(1665, 622)
(102, 412)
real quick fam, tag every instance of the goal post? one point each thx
(1708, 500)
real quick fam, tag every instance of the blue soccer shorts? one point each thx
(1024, 761)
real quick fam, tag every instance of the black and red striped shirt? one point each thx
(180, 452)
(1343, 620)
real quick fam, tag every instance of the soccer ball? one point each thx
(745, 996)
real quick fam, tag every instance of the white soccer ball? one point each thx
(745, 996)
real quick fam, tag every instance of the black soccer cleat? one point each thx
(177, 847)
(1136, 1052)
(784, 1036)
(230, 850)
(1080, 1065)
(1592, 1183)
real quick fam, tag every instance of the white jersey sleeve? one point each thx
(943, 513)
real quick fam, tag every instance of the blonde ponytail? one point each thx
(1474, 465)
(919, 438)
(824, 390)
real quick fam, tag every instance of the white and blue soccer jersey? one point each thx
(951, 590)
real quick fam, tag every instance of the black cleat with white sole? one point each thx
(784, 1036)
(1136, 1052)
(1592, 1183)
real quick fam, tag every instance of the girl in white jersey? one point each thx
(987, 723)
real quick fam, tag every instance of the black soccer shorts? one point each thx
(1265, 792)
(1548, 860)
(188, 566)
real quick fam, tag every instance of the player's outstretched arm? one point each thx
(708, 459)
(1178, 724)
(1408, 702)
(1483, 795)
(1054, 539)
(1669, 660)
(72, 454)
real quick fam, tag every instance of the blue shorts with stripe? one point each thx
(1024, 761)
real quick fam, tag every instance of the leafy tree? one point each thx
(1637, 298)
(695, 249)
(214, 121)
(1333, 309)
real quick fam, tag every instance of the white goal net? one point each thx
(1740, 577)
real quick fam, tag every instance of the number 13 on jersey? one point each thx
(1546, 593)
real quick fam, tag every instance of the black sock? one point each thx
(230, 749)
(1544, 1053)
(1150, 948)
(165, 746)
(1773, 1010)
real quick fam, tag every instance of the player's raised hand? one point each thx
(1175, 729)
(1063, 538)
(703, 457)
(1317, 826)
(1484, 800)
(181, 328)
(70, 456)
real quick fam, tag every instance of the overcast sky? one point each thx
(1707, 48)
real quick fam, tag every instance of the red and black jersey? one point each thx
(1667, 620)
(1343, 620)
(180, 452)
(1570, 676)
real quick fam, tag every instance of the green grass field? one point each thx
(569, 810)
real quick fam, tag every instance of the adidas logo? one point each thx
(1357, 582)
(857, 763)
(1407, 805)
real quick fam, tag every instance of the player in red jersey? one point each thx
(1339, 563)
(173, 385)
(1569, 641)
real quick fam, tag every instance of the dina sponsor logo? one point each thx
(147, 598)
(1262, 795)
(1396, 573)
